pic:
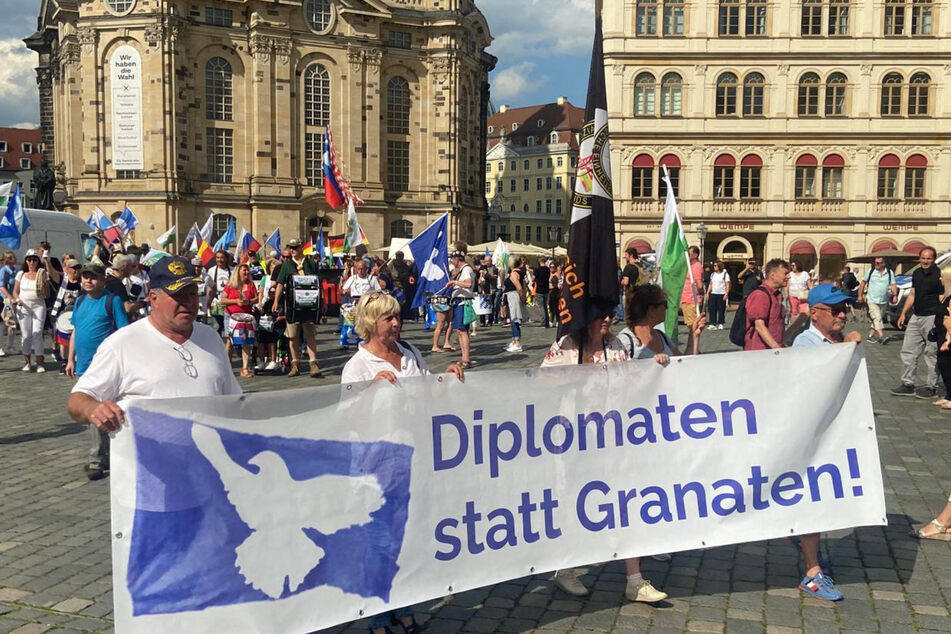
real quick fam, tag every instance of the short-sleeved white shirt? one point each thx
(718, 282)
(357, 286)
(364, 365)
(140, 362)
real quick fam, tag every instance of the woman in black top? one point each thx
(514, 288)
(942, 337)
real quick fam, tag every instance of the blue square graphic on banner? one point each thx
(224, 517)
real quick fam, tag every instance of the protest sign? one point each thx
(294, 511)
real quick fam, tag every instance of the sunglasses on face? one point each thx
(837, 309)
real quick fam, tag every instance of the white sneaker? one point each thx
(271, 366)
(40, 369)
(511, 348)
(568, 581)
(259, 366)
(3, 352)
(644, 593)
(719, 326)
(711, 327)
(27, 368)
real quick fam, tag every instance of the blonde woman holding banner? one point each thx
(600, 346)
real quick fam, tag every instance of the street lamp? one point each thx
(702, 234)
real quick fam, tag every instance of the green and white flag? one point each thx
(153, 256)
(671, 259)
(167, 238)
(500, 256)
(5, 190)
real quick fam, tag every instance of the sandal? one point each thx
(942, 402)
(465, 365)
(247, 374)
(448, 348)
(943, 534)
(437, 350)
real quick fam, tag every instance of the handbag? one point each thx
(468, 312)
(42, 284)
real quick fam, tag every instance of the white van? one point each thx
(65, 232)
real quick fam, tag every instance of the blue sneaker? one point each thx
(820, 587)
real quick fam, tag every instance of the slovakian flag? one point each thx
(205, 253)
(127, 221)
(590, 277)
(246, 242)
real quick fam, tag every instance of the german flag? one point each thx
(205, 253)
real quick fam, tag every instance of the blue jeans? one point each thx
(516, 330)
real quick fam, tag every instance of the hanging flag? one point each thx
(246, 243)
(127, 220)
(274, 241)
(336, 245)
(230, 237)
(500, 257)
(333, 193)
(321, 249)
(671, 258)
(207, 228)
(14, 222)
(205, 253)
(191, 240)
(166, 238)
(430, 251)
(591, 281)
(354, 234)
(153, 256)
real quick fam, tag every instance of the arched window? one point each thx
(751, 167)
(397, 106)
(671, 95)
(806, 177)
(835, 95)
(724, 168)
(672, 163)
(401, 229)
(888, 167)
(318, 14)
(553, 137)
(218, 89)
(398, 102)
(832, 168)
(891, 95)
(916, 166)
(809, 95)
(918, 95)
(753, 89)
(219, 225)
(726, 95)
(525, 208)
(644, 91)
(642, 176)
(316, 96)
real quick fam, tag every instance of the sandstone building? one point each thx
(529, 169)
(181, 108)
(811, 129)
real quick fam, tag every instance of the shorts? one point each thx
(690, 313)
(309, 328)
(875, 314)
(459, 315)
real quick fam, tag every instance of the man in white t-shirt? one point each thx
(166, 355)
(216, 278)
(463, 285)
(360, 283)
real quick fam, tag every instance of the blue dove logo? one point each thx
(224, 517)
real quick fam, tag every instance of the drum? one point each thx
(241, 327)
(64, 328)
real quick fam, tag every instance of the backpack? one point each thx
(630, 341)
(109, 308)
(739, 328)
(642, 278)
(891, 276)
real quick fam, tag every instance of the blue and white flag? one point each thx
(230, 237)
(274, 241)
(127, 220)
(430, 251)
(14, 222)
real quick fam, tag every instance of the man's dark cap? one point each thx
(172, 273)
(94, 269)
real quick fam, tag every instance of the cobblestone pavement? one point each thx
(55, 562)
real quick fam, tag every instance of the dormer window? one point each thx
(530, 141)
(553, 138)
(541, 123)
(491, 129)
(514, 127)
(27, 148)
(24, 164)
(3, 146)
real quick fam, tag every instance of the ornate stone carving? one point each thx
(373, 58)
(67, 57)
(700, 69)
(440, 69)
(947, 69)
(782, 69)
(87, 39)
(261, 48)
(281, 48)
(866, 69)
(154, 34)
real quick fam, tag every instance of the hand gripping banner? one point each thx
(297, 510)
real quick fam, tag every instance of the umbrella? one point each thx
(888, 254)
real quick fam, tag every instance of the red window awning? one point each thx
(833, 160)
(806, 160)
(670, 160)
(642, 246)
(883, 245)
(643, 160)
(832, 247)
(751, 160)
(724, 160)
(802, 247)
(889, 160)
(914, 246)
(916, 160)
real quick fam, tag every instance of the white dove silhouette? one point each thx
(277, 508)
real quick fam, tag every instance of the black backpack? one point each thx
(738, 329)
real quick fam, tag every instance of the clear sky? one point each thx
(543, 46)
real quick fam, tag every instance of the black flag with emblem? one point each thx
(590, 287)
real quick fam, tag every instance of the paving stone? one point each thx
(72, 605)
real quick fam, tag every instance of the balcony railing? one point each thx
(645, 207)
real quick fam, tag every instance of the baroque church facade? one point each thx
(185, 108)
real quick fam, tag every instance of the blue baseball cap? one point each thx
(172, 274)
(829, 295)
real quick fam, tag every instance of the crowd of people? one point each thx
(105, 319)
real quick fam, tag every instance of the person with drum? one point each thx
(60, 315)
(298, 269)
(270, 324)
(238, 297)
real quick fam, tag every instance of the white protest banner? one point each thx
(294, 511)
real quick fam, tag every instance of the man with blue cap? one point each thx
(828, 307)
